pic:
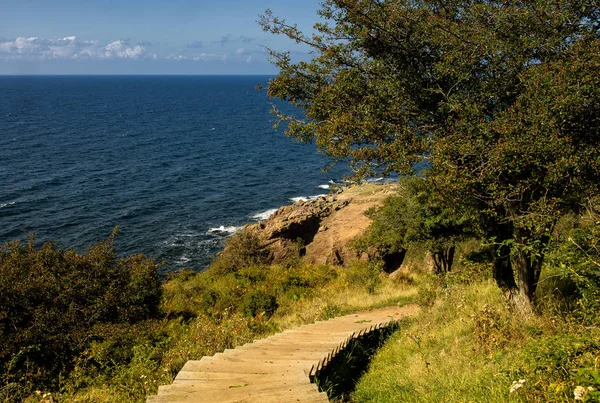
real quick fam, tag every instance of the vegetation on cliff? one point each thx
(93, 327)
(496, 101)
(493, 105)
(54, 305)
(469, 343)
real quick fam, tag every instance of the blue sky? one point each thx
(144, 36)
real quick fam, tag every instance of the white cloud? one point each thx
(205, 56)
(120, 50)
(229, 38)
(177, 57)
(34, 48)
(71, 48)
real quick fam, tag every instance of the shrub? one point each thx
(577, 257)
(365, 274)
(53, 301)
(259, 302)
(243, 249)
(416, 214)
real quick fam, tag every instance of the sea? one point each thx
(179, 163)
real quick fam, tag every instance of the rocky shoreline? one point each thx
(321, 230)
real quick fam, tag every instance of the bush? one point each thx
(243, 249)
(365, 274)
(416, 214)
(577, 258)
(53, 303)
(259, 302)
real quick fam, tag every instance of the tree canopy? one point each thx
(500, 101)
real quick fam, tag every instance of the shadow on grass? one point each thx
(340, 377)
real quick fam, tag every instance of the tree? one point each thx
(416, 214)
(499, 99)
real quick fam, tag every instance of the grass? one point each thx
(469, 347)
(341, 297)
(466, 345)
(434, 358)
(190, 330)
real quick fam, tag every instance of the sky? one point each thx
(145, 36)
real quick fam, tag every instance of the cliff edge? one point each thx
(322, 229)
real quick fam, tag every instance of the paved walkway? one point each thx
(275, 369)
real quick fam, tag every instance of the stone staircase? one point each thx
(278, 368)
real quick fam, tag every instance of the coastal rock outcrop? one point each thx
(321, 230)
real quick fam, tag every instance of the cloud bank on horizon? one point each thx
(143, 36)
(236, 51)
(71, 48)
(39, 49)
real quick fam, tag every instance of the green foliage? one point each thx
(248, 289)
(243, 249)
(427, 295)
(54, 303)
(259, 302)
(590, 379)
(577, 258)
(497, 99)
(416, 215)
(469, 346)
(365, 274)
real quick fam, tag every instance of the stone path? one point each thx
(277, 368)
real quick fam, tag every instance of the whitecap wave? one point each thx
(264, 215)
(182, 260)
(224, 230)
(306, 198)
(7, 204)
(182, 238)
(324, 186)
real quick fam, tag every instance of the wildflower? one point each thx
(517, 385)
(580, 393)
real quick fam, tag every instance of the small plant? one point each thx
(243, 249)
(365, 274)
(259, 302)
(491, 329)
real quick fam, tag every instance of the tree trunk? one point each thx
(450, 256)
(443, 258)
(503, 270)
(529, 266)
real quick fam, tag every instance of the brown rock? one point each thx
(323, 228)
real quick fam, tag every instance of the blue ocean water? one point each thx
(177, 162)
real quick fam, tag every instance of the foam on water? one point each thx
(264, 215)
(182, 260)
(7, 204)
(323, 186)
(306, 198)
(224, 230)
